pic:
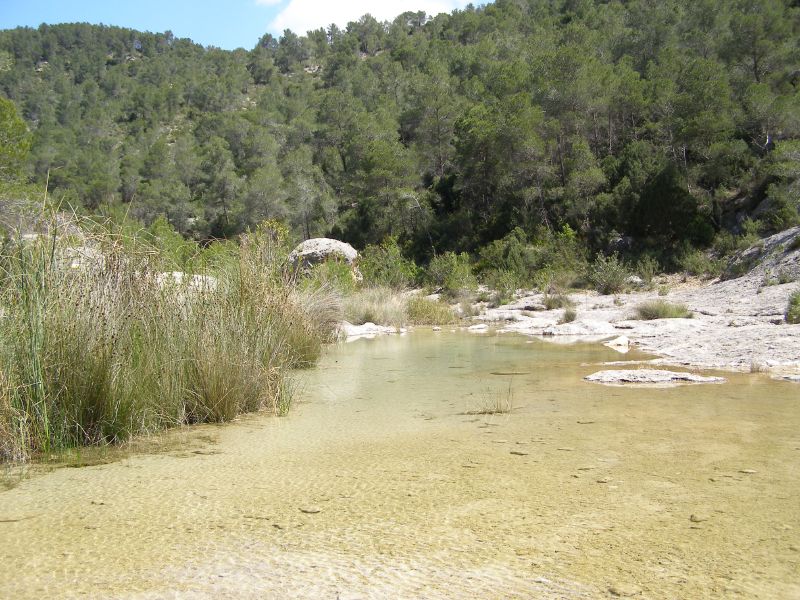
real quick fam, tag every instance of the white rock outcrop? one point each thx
(648, 376)
(367, 330)
(316, 250)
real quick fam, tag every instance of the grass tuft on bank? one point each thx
(97, 352)
(387, 306)
(660, 309)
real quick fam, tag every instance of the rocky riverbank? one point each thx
(737, 324)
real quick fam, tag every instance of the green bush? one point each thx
(793, 309)
(727, 243)
(699, 263)
(333, 274)
(570, 314)
(452, 273)
(660, 309)
(384, 265)
(608, 274)
(647, 267)
(511, 255)
(504, 283)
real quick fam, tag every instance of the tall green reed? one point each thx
(115, 347)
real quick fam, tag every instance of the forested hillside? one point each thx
(658, 123)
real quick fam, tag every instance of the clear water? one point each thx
(384, 483)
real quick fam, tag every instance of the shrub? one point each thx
(451, 272)
(334, 274)
(700, 264)
(660, 309)
(793, 309)
(384, 265)
(646, 268)
(608, 274)
(511, 254)
(570, 314)
(504, 283)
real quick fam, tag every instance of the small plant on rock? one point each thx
(570, 314)
(793, 309)
(659, 309)
(553, 301)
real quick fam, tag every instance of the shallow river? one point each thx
(383, 483)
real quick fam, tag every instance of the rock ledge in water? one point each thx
(648, 376)
(351, 331)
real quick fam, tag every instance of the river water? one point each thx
(384, 482)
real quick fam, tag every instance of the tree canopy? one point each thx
(664, 121)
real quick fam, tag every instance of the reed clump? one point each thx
(115, 347)
(386, 306)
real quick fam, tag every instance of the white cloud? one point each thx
(304, 15)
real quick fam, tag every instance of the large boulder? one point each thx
(318, 250)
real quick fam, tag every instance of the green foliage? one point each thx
(378, 304)
(15, 142)
(727, 243)
(793, 309)
(658, 122)
(511, 255)
(113, 348)
(660, 309)
(423, 311)
(570, 314)
(553, 301)
(698, 262)
(647, 267)
(451, 272)
(384, 265)
(608, 274)
(504, 285)
(667, 213)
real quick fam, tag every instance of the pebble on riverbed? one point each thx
(623, 590)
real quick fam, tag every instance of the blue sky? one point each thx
(225, 23)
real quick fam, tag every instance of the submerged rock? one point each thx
(648, 376)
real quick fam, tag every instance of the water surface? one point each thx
(382, 483)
